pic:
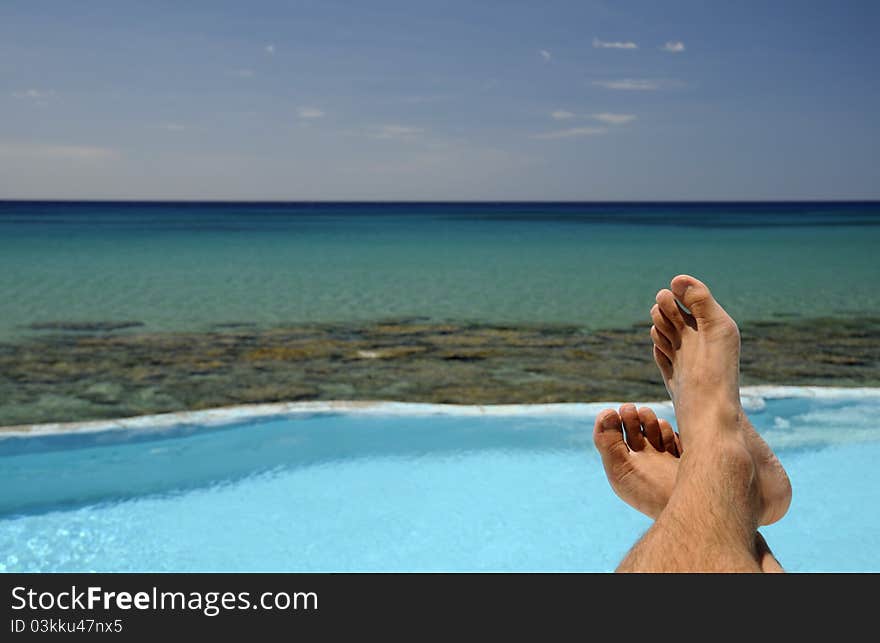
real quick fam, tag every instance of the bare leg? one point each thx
(642, 469)
(725, 485)
(710, 522)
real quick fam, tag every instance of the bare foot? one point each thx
(641, 469)
(698, 355)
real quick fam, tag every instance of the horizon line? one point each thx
(433, 201)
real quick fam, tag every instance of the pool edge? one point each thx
(753, 399)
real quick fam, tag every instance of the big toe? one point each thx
(608, 438)
(695, 295)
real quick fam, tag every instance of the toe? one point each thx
(670, 309)
(632, 426)
(667, 437)
(651, 427)
(666, 327)
(663, 364)
(695, 296)
(661, 342)
(608, 437)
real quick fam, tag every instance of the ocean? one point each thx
(191, 266)
(114, 309)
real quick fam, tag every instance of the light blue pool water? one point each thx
(402, 492)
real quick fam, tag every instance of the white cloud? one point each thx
(243, 73)
(543, 53)
(269, 49)
(310, 112)
(614, 119)
(609, 118)
(571, 133)
(172, 127)
(38, 97)
(628, 84)
(601, 44)
(35, 94)
(396, 132)
(57, 152)
(673, 46)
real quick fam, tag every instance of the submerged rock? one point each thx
(89, 376)
(84, 327)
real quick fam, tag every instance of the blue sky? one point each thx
(452, 100)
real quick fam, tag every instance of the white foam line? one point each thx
(237, 414)
(772, 392)
(753, 398)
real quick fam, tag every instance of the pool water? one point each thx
(404, 488)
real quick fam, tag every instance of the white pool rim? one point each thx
(753, 397)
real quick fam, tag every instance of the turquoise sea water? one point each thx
(397, 491)
(189, 266)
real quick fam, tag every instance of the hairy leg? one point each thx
(642, 468)
(710, 522)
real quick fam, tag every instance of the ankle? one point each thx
(722, 470)
(722, 456)
(709, 421)
(719, 444)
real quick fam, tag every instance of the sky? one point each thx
(416, 100)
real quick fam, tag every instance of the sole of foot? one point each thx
(641, 467)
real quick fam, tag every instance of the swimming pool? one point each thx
(394, 487)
